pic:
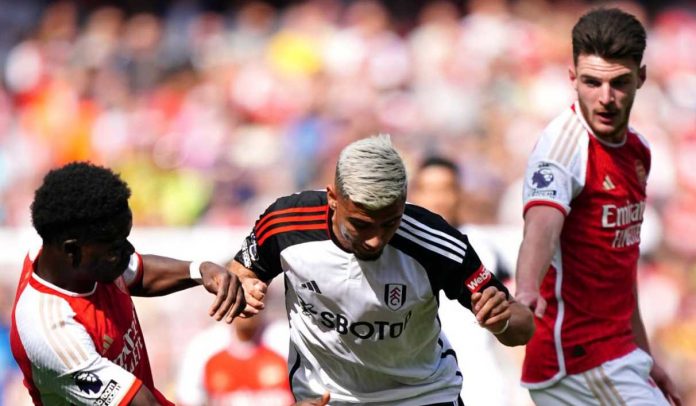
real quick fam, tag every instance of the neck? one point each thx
(615, 138)
(54, 269)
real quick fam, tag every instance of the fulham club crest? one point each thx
(394, 295)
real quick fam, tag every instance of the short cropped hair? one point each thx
(610, 33)
(83, 201)
(371, 173)
(441, 162)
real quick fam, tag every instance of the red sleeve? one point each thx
(137, 384)
(549, 203)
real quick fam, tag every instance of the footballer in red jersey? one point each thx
(75, 333)
(584, 200)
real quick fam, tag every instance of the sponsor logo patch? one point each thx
(543, 177)
(478, 279)
(250, 252)
(87, 382)
(641, 173)
(394, 295)
(107, 396)
(544, 193)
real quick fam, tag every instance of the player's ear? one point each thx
(573, 76)
(642, 75)
(72, 249)
(331, 196)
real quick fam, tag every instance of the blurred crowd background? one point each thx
(212, 109)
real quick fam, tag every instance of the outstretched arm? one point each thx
(254, 289)
(542, 230)
(511, 323)
(162, 275)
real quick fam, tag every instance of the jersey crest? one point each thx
(394, 295)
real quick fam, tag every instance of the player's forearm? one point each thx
(162, 275)
(521, 327)
(241, 271)
(541, 235)
(533, 261)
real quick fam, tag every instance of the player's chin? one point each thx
(110, 278)
(368, 256)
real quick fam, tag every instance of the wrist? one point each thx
(503, 329)
(195, 271)
(526, 290)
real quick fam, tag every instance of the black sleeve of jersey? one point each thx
(449, 259)
(264, 258)
(290, 219)
(468, 282)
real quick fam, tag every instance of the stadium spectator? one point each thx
(436, 186)
(363, 270)
(75, 333)
(584, 200)
(233, 366)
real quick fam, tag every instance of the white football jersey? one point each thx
(366, 331)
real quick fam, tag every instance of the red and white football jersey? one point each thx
(247, 375)
(600, 188)
(80, 349)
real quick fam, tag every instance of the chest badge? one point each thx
(394, 295)
(641, 173)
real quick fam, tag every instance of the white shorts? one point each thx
(622, 381)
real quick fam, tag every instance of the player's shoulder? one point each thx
(639, 137)
(305, 200)
(52, 333)
(41, 319)
(300, 217)
(420, 216)
(424, 233)
(562, 138)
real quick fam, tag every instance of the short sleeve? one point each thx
(471, 277)
(134, 272)
(64, 361)
(555, 172)
(260, 250)
(451, 262)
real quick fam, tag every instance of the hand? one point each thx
(254, 293)
(533, 301)
(322, 401)
(665, 384)
(229, 295)
(491, 308)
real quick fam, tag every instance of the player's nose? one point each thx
(374, 243)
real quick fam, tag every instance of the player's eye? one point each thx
(391, 223)
(359, 224)
(620, 82)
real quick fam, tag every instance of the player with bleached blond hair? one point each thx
(362, 271)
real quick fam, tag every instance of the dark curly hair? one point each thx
(609, 33)
(81, 200)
